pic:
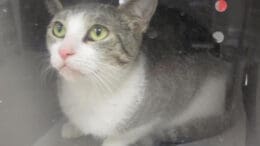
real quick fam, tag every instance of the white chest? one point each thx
(102, 115)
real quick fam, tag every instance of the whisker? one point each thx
(47, 73)
(106, 78)
(104, 82)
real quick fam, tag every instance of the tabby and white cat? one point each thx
(114, 87)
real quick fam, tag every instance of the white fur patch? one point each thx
(101, 113)
(76, 26)
(56, 60)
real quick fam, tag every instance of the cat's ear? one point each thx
(53, 6)
(141, 10)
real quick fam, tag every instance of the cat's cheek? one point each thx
(55, 59)
(56, 62)
(88, 59)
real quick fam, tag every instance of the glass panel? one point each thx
(227, 31)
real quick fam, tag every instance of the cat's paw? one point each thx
(69, 131)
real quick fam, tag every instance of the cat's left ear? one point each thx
(53, 6)
(141, 10)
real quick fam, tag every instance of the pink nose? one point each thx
(65, 53)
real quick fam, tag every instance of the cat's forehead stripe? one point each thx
(75, 23)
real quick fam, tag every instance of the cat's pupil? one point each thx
(98, 31)
(59, 27)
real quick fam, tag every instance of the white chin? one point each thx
(70, 75)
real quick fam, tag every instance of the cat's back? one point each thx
(180, 79)
(171, 57)
(174, 83)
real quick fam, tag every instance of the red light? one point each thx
(221, 5)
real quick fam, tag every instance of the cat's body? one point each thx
(131, 92)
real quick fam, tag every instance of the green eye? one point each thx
(59, 30)
(97, 33)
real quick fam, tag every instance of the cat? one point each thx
(119, 80)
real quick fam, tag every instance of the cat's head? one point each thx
(90, 39)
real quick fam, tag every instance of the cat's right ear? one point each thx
(53, 6)
(141, 10)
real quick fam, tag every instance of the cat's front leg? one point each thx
(70, 131)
